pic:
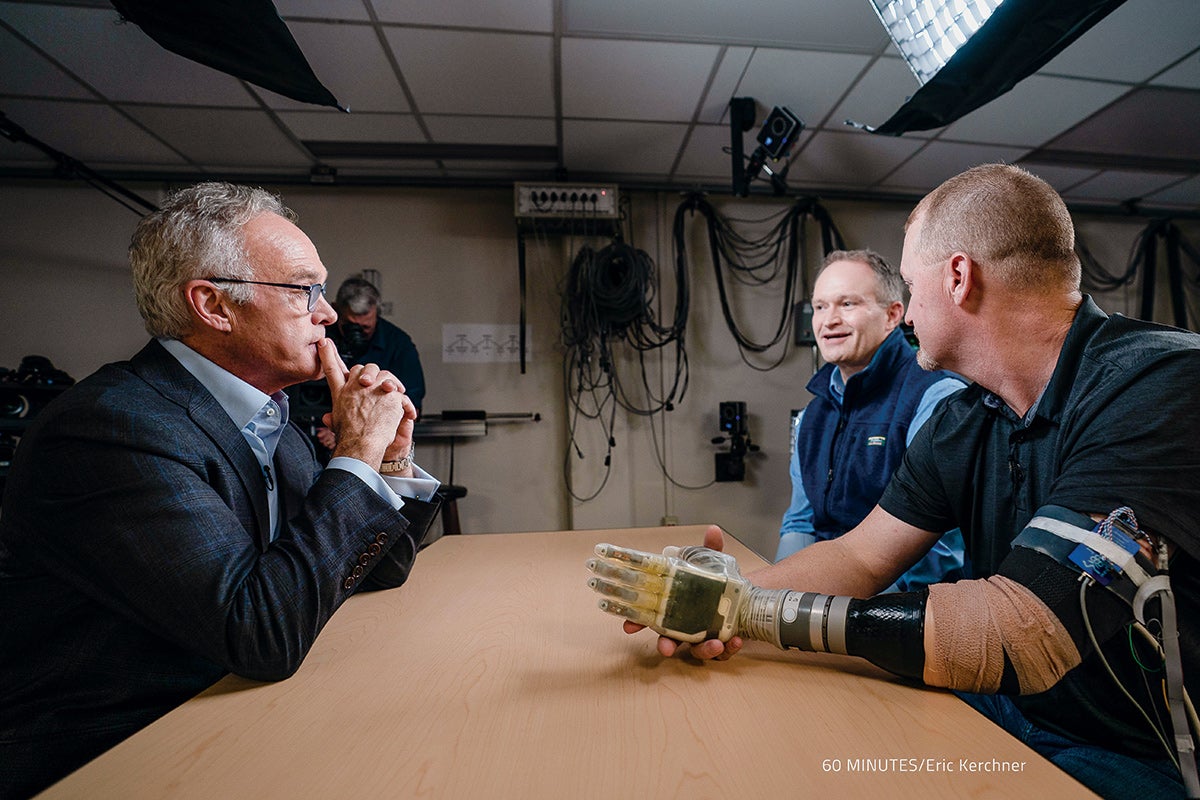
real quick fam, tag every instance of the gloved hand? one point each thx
(689, 594)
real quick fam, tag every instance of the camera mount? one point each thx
(775, 139)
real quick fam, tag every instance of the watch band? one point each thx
(389, 467)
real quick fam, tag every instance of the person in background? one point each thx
(362, 337)
(869, 400)
(164, 524)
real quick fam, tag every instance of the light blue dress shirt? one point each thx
(261, 419)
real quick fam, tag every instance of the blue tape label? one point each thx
(1097, 566)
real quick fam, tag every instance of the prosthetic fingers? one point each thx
(980, 636)
(689, 594)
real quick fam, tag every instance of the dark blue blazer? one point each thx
(136, 567)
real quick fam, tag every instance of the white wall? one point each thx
(450, 256)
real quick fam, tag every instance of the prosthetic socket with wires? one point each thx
(991, 635)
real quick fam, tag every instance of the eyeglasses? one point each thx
(315, 292)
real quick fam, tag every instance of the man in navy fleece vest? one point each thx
(869, 400)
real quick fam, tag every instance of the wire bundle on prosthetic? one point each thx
(609, 299)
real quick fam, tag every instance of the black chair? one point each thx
(450, 494)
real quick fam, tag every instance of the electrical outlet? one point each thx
(565, 200)
(804, 324)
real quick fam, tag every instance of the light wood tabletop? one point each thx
(492, 674)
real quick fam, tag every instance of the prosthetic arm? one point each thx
(991, 635)
(693, 593)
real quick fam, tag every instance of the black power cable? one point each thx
(1143, 260)
(758, 261)
(608, 301)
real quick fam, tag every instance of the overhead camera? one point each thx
(775, 140)
(779, 133)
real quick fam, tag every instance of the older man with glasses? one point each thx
(164, 524)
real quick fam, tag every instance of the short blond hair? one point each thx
(1010, 221)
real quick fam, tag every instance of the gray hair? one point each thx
(358, 296)
(889, 286)
(198, 233)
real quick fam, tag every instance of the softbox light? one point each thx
(1013, 42)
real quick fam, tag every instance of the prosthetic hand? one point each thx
(689, 594)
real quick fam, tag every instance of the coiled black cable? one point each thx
(608, 300)
(758, 261)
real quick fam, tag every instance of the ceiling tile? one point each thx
(71, 127)
(459, 72)
(119, 60)
(336, 126)
(1186, 193)
(808, 83)
(597, 75)
(1185, 74)
(1062, 102)
(226, 137)
(23, 71)
(707, 154)
(1137, 40)
(1158, 122)
(1118, 186)
(521, 15)
(1062, 178)
(323, 9)
(937, 161)
(633, 77)
(850, 158)
(625, 147)
(490, 130)
(724, 84)
(847, 26)
(877, 95)
(350, 61)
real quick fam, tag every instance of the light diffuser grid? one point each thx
(928, 32)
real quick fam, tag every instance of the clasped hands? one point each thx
(372, 416)
(688, 595)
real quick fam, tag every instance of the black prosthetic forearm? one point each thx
(888, 630)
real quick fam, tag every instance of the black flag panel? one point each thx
(244, 38)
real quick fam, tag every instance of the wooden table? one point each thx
(492, 674)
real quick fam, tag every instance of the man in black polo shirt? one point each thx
(1074, 417)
